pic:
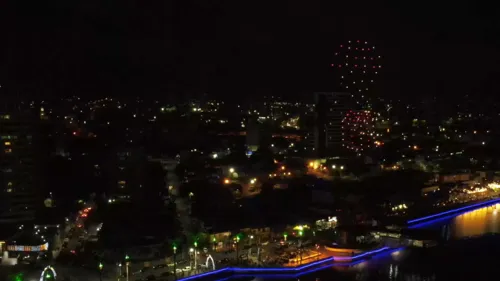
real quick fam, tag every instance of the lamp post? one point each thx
(174, 247)
(195, 255)
(119, 270)
(237, 248)
(300, 245)
(250, 248)
(250, 242)
(127, 265)
(100, 270)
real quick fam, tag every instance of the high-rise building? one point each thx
(18, 196)
(330, 108)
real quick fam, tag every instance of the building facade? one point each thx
(18, 198)
(330, 108)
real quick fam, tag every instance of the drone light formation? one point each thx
(357, 65)
(358, 133)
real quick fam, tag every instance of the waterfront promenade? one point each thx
(297, 271)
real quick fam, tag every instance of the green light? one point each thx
(301, 233)
(18, 277)
(101, 266)
(285, 235)
(195, 244)
(48, 276)
(127, 257)
(214, 240)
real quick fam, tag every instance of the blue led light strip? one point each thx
(298, 274)
(292, 271)
(282, 269)
(482, 204)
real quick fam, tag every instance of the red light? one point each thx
(341, 46)
(74, 133)
(332, 64)
(73, 252)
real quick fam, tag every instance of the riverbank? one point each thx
(453, 210)
(293, 272)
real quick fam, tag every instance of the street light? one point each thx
(119, 270)
(174, 247)
(250, 248)
(100, 270)
(195, 256)
(127, 264)
(237, 248)
(301, 233)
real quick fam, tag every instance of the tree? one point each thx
(263, 158)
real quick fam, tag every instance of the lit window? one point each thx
(7, 143)
(8, 150)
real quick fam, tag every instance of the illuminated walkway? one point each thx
(294, 272)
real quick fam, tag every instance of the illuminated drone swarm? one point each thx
(357, 65)
(358, 132)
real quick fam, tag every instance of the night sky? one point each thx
(233, 48)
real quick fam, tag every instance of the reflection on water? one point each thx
(478, 222)
(462, 258)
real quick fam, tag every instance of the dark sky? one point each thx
(234, 48)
